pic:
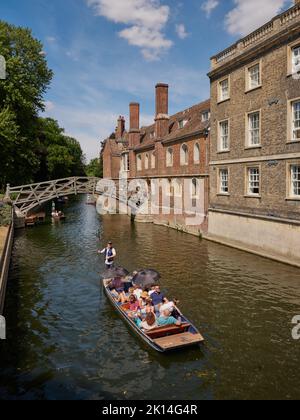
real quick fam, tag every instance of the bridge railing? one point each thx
(27, 197)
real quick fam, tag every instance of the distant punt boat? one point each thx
(91, 201)
(57, 217)
(161, 339)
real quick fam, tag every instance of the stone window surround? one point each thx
(247, 137)
(153, 160)
(247, 193)
(289, 196)
(139, 163)
(197, 161)
(289, 120)
(169, 157)
(146, 161)
(220, 150)
(247, 76)
(220, 100)
(219, 192)
(289, 56)
(186, 153)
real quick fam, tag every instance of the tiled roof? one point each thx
(193, 124)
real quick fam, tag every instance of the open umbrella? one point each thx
(115, 272)
(146, 278)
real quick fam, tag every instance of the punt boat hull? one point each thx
(168, 343)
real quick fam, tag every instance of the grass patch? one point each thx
(5, 215)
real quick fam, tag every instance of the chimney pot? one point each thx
(162, 99)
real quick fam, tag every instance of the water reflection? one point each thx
(65, 341)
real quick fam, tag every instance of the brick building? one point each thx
(175, 149)
(255, 140)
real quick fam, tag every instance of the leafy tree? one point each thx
(95, 168)
(21, 98)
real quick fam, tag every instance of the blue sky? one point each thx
(107, 53)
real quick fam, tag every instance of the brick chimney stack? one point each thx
(120, 128)
(134, 132)
(162, 110)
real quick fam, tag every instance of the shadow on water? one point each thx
(66, 342)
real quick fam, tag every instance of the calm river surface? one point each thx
(65, 342)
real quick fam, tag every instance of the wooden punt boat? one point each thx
(162, 339)
(57, 218)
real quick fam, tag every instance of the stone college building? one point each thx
(245, 143)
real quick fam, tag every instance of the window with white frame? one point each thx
(253, 181)
(169, 157)
(224, 136)
(177, 188)
(254, 129)
(139, 162)
(205, 116)
(184, 155)
(295, 181)
(296, 120)
(254, 76)
(224, 181)
(153, 161)
(296, 59)
(197, 153)
(182, 123)
(224, 90)
(147, 161)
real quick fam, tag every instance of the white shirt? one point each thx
(107, 262)
(167, 307)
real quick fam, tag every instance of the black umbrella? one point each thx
(115, 272)
(146, 278)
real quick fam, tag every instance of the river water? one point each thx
(65, 341)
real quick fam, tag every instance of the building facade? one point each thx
(173, 150)
(255, 141)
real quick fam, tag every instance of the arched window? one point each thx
(147, 161)
(177, 188)
(184, 155)
(139, 162)
(194, 188)
(169, 158)
(197, 153)
(153, 161)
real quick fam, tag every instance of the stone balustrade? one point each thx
(276, 25)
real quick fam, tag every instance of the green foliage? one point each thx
(95, 168)
(5, 215)
(32, 148)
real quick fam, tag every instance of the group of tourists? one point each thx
(148, 307)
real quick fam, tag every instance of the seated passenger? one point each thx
(171, 306)
(117, 284)
(138, 292)
(149, 323)
(166, 319)
(157, 298)
(146, 305)
(134, 304)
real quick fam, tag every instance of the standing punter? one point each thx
(110, 255)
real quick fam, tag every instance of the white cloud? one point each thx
(49, 106)
(146, 20)
(247, 15)
(51, 39)
(181, 31)
(209, 5)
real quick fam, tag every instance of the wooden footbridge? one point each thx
(25, 198)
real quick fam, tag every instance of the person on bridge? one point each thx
(110, 255)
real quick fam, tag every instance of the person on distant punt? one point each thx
(149, 323)
(110, 255)
(134, 304)
(157, 298)
(138, 291)
(166, 319)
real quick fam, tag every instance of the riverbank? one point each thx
(6, 242)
